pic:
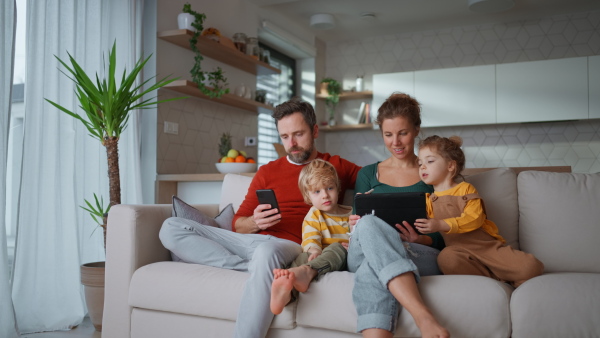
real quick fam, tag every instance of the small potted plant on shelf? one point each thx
(107, 106)
(216, 78)
(334, 89)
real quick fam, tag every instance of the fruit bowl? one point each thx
(236, 168)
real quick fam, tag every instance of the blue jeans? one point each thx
(376, 256)
(192, 242)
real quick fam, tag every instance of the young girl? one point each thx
(473, 243)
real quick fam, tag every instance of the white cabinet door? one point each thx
(594, 72)
(457, 96)
(385, 85)
(549, 90)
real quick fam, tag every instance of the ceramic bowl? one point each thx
(236, 168)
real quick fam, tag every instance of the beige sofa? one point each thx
(555, 216)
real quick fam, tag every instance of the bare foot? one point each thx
(430, 328)
(304, 275)
(281, 289)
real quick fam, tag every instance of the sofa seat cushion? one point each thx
(557, 305)
(328, 305)
(194, 289)
(560, 219)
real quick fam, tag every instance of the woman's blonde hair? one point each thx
(318, 173)
(448, 148)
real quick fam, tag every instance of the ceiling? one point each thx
(398, 16)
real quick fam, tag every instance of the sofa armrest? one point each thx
(132, 242)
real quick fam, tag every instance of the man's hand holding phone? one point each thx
(266, 214)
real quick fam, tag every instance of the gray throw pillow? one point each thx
(184, 210)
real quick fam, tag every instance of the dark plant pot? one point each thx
(92, 278)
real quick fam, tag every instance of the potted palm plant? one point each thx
(107, 105)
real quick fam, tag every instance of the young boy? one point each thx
(325, 234)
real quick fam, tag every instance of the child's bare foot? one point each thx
(281, 289)
(430, 328)
(304, 275)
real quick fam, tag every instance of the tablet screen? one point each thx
(393, 208)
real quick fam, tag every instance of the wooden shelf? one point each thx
(220, 52)
(351, 95)
(346, 127)
(189, 88)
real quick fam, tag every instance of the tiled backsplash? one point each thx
(201, 123)
(575, 143)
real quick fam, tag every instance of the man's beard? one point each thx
(302, 156)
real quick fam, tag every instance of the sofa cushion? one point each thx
(223, 220)
(235, 188)
(560, 219)
(557, 305)
(194, 289)
(498, 189)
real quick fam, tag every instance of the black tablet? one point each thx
(393, 208)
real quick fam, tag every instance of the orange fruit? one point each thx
(229, 160)
(250, 160)
(240, 159)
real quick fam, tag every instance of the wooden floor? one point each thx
(85, 330)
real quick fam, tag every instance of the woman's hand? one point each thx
(407, 232)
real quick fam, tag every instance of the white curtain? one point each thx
(62, 164)
(8, 326)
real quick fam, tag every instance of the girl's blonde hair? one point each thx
(318, 173)
(448, 148)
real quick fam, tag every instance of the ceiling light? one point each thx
(490, 6)
(368, 17)
(322, 21)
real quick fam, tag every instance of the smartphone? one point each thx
(267, 196)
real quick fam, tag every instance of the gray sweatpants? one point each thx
(257, 254)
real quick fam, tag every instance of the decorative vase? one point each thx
(185, 20)
(92, 278)
(331, 121)
(323, 88)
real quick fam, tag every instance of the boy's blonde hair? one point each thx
(317, 173)
(449, 149)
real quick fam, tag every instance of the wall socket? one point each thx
(171, 128)
(250, 141)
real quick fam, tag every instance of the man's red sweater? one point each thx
(282, 176)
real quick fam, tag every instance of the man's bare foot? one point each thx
(430, 328)
(304, 275)
(281, 289)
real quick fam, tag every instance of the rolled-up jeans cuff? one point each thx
(398, 268)
(376, 321)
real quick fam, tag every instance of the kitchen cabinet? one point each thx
(456, 96)
(385, 85)
(594, 90)
(548, 90)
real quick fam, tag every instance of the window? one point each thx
(15, 134)
(280, 88)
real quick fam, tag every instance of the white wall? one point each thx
(575, 143)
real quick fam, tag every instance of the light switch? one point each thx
(171, 128)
